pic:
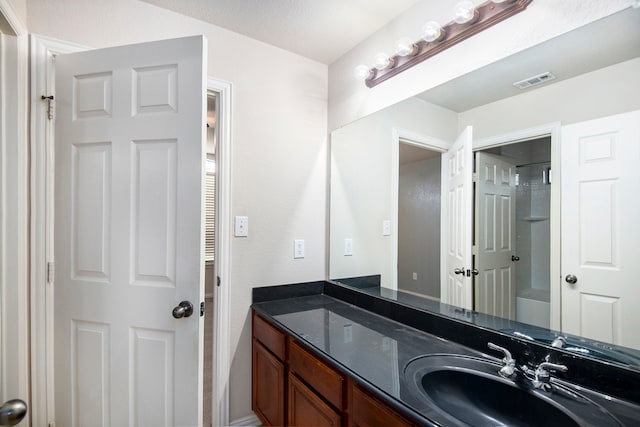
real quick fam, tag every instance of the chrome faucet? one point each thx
(508, 370)
(559, 342)
(542, 374)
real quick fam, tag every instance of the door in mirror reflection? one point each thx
(600, 232)
(495, 200)
(456, 288)
(512, 231)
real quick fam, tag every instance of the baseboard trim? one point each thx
(250, 420)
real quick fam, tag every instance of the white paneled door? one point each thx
(129, 170)
(457, 289)
(600, 232)
(495, 235)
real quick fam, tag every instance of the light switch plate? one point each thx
(386, 227)
(242, 226)
(348, 247)
(298, 249)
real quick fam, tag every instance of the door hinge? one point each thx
(218, 281)
(202, 309)
(50, 105)
(51, 271)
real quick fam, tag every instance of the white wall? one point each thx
(350, 99)
(361, 197)
(610, 90)
(279, 123)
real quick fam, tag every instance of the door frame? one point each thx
(400, 135)
(553, 130)
(43, 52)
(14, 209)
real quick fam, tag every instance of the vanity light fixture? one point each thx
(382, 61)
(465, 12)
(405, 47)
(433, 32)
(362, 72)
(468, 21)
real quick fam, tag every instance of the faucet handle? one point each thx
(509, 368)
(546, 367)
(507, 354)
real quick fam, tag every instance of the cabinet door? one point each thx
(268, 386)
(367, 411)
(306, 408)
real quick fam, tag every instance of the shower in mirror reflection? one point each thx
(512, 231)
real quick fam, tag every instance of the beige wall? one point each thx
(350, 99)
(361, 184)
(19, 7)
(604, 92)
(278, 147)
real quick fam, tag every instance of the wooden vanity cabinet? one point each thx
(306, 408)
(293, 387)
(367, 411)
(315, 395)
(268, 373)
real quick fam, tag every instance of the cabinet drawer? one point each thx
(269, 336)
(326, 381)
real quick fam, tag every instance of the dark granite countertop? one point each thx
(370, 340)
(370, 347)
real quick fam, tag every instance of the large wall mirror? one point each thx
(512, 208)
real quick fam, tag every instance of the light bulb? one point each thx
(381, 61)
(405, 47)
(464, 12)
(362, 72)
(432, 31)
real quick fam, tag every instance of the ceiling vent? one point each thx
(535, 80)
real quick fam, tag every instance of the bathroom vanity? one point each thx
(328, 354)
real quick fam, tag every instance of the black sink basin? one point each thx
(468, 391)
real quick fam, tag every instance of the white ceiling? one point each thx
(322, 30)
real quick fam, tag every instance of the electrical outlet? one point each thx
(242, 226)
(415, 276)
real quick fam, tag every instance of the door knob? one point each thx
(458, 271)
(515, 258)
(12, 412)
(184, 309)
(571, 279)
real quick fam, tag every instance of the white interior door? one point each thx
(600, 232)
(129, 178)
(495, 235)
(456, 287)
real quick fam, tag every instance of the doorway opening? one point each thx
(419, 212)
(209, 255)
(512, 231)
